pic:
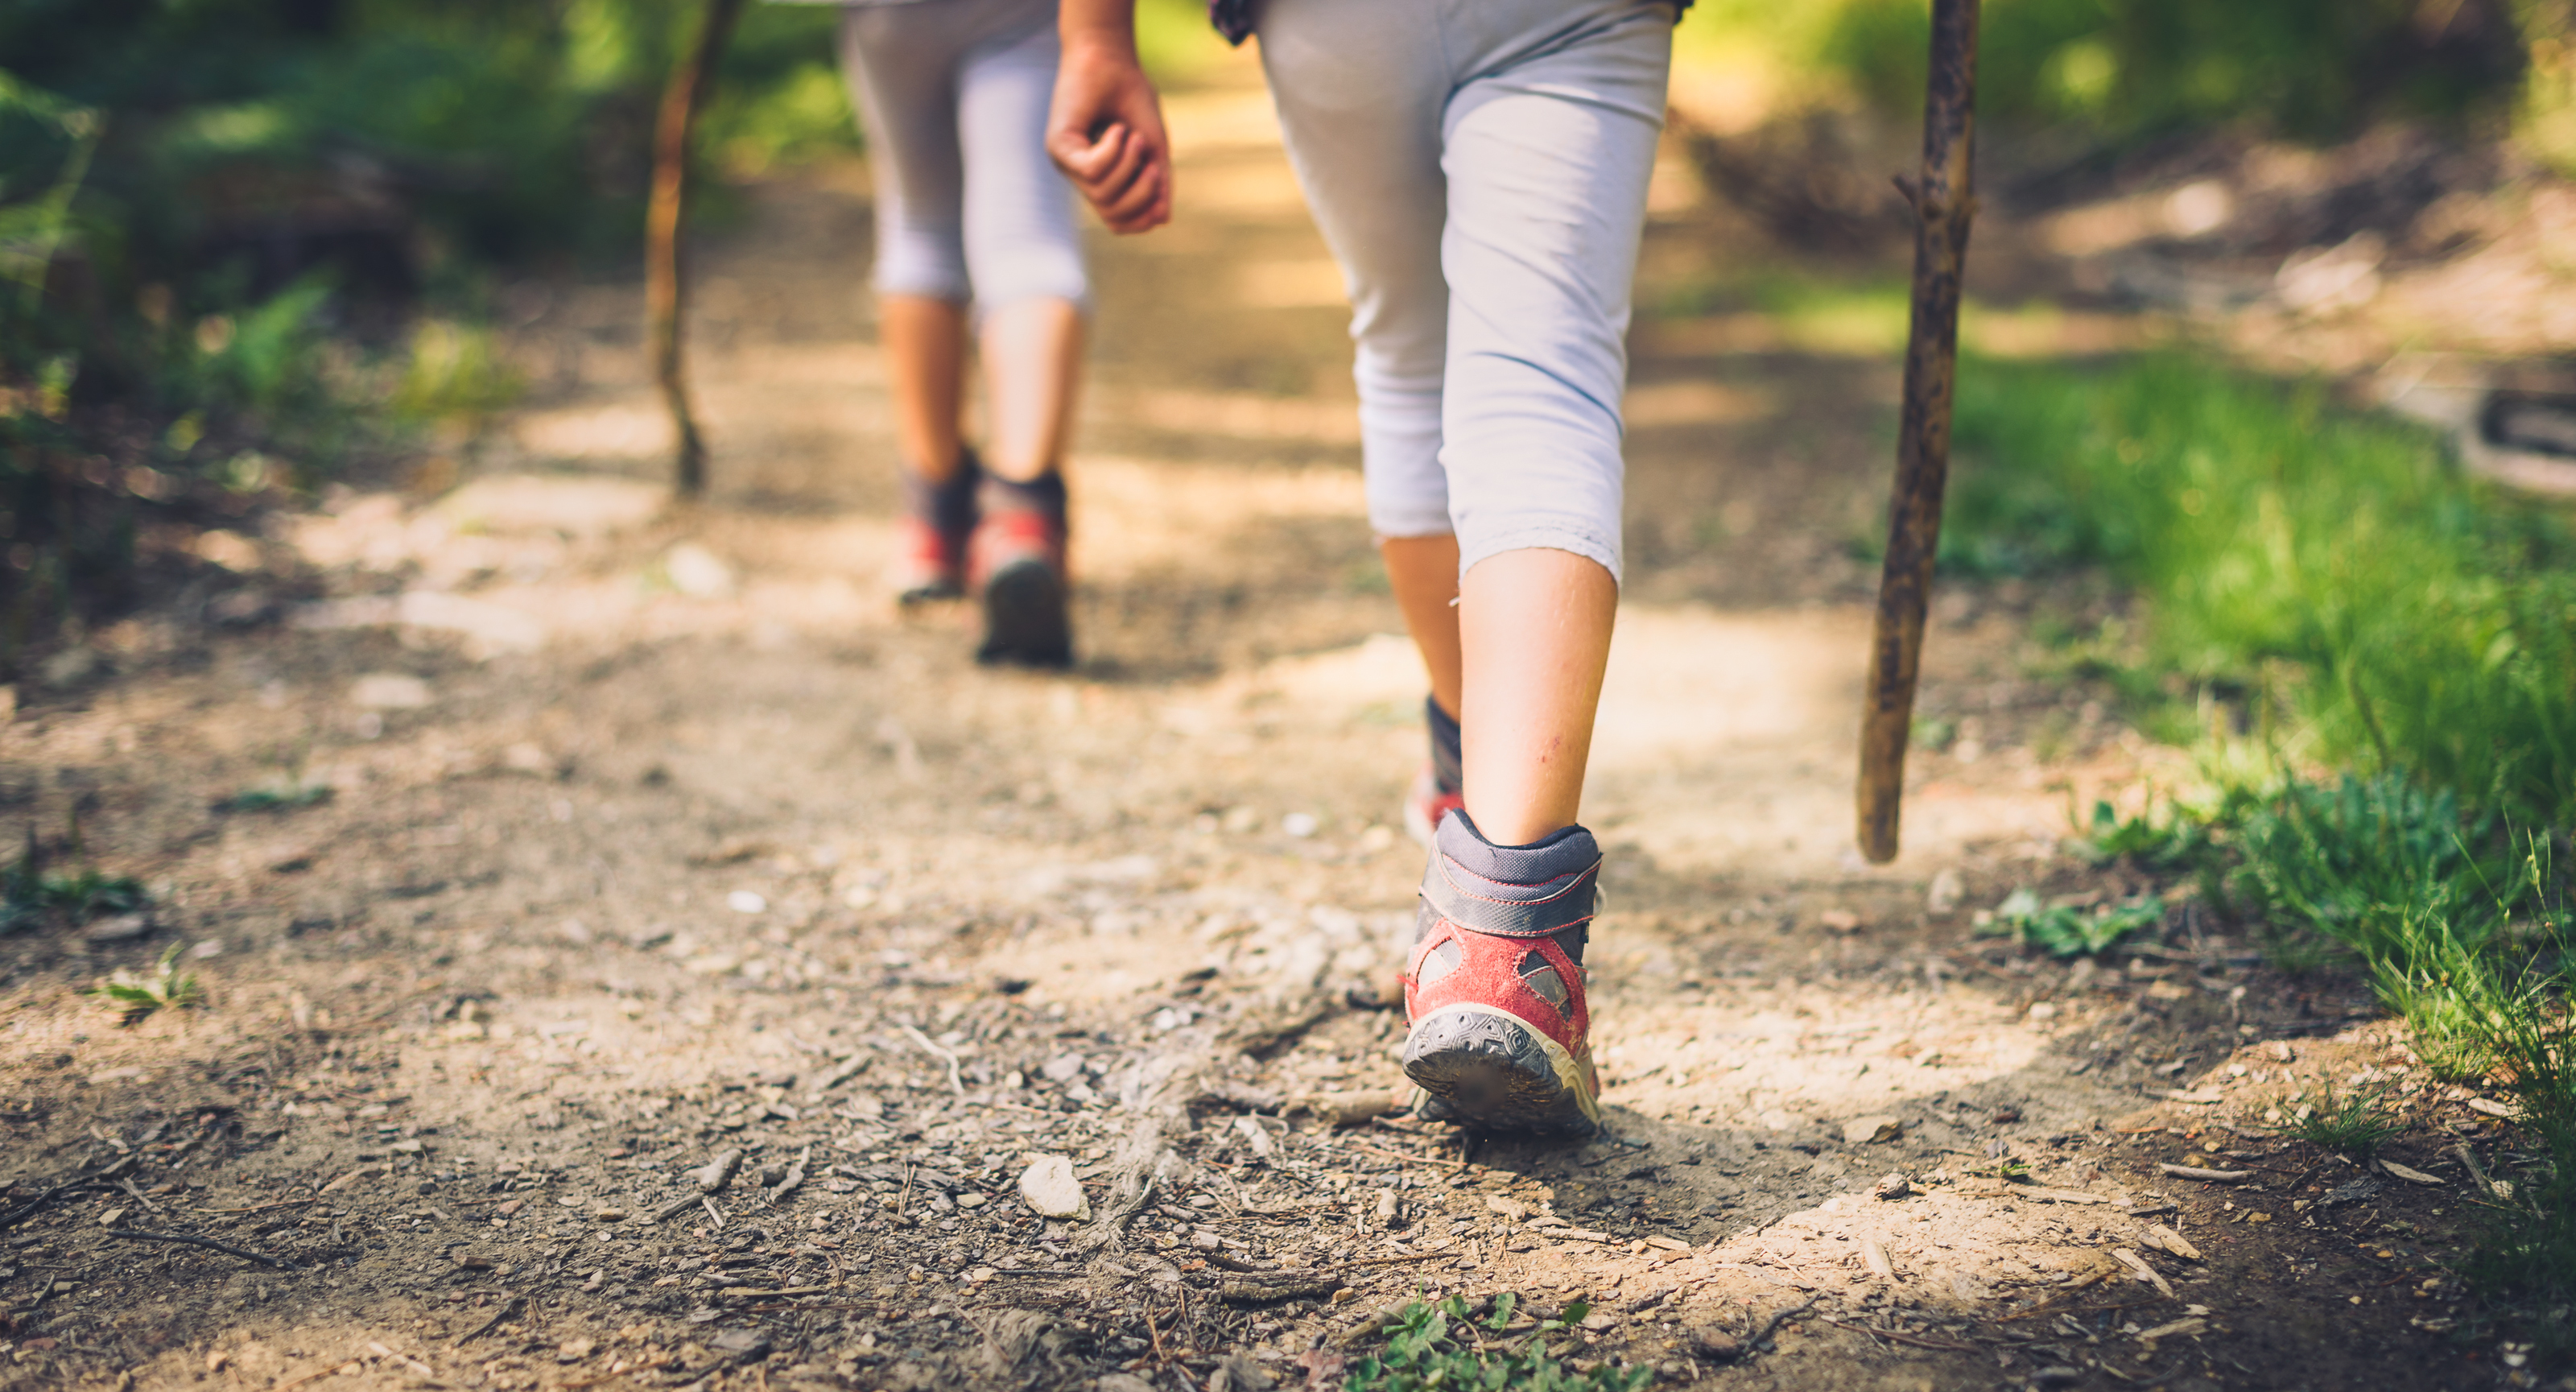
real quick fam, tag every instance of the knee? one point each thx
(1031, 271)
(921, 259)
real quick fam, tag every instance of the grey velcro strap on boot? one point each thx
(1538, 918)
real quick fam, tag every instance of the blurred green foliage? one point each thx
(244, 242)
(2122, 68)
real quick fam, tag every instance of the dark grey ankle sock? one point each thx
(1043, 495)
(948, 505)
(1448, 751)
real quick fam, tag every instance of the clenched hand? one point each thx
(1106, 127)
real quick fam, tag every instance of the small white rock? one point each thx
(388, 691)
(1063, 1068)
(1051, 1191)
(744, 901)
(1252, 1132)
(1299, 824)
(122, 928)
(697, 572)
(1947, 890)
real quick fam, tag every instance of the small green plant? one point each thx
(1441, 1346)
(276, 797)
(2355, 1124)
(137, 995)
(2175, 841)
(2061, 930)
(28, 892)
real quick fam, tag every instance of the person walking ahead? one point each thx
(1479, 169)
(953, 95)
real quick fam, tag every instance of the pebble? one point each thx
(122, 928)
(388, 691)
(1717, 1346)
(1870, 1130)
(1051, 1191)
(697, 572)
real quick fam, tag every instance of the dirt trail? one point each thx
(659, 836)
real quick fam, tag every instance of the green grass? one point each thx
(2317, 571)
(1440, 1346)
(2354, 1124)
(2377, 658)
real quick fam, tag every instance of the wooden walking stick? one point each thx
(1943, 206)
(680, 102)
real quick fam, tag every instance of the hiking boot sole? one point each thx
(1025, 624)
(1486, 1069)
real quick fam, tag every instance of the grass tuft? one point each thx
(2355, 1124)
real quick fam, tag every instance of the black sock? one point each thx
(1448, 752)
(948, 505)
(1043, 495)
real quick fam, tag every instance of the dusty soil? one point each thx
(655, 836)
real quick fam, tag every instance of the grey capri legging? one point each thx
(954, 96)
(1480, 170)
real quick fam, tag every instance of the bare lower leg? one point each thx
(925, 357)
(1032, 367)
(1424, 574)
(1534, 636)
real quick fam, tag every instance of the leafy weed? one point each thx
(2062, 930)
(137, 995)
(1440, 1346)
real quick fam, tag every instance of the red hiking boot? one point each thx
(1016, 564)
(929, 564)
(1500, 1034)
(1426, 802)
(931, 538)
(1438, 791)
